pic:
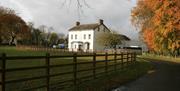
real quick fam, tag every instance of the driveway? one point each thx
(164, 77)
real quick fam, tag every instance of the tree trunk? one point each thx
(12, 40)
(177, 52)
(0, 40)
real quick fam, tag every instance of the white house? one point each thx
(83, 37)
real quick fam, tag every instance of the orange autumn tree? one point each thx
(159, 23)
(148, 36)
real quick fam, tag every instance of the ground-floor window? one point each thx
(81, 46)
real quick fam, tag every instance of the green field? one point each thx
(11, 64)
(13, 51)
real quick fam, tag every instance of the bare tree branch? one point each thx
(86, 4)
(80, 4)
(63, 3)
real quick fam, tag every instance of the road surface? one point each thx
(164, 77)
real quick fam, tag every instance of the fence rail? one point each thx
(122, 59)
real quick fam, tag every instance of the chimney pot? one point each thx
(101, 21)
(77, 23)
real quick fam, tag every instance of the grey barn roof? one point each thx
(124, 37)
(85, 27)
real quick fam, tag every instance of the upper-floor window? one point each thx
(76, 36)
(89, 36)
(84, 36)
(71, 36)
(98, 29)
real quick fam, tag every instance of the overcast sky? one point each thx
(115, 13)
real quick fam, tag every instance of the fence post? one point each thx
(127, 63)
(75, 69)
(3, 75)
(48, 71)
(135, 56)
(94, 65)
(131, 57)
(106, 62)
(122, 60)
(115, 61)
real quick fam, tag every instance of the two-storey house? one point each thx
(83, 37)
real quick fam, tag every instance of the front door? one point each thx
(80, 48)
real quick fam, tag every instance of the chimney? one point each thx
(101, 21)
(77, 23)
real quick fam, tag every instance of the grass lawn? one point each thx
(117, 78)
(132, 72)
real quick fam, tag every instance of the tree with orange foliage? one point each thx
(12, 26)
(159, 22)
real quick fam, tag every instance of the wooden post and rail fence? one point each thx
(118, 61)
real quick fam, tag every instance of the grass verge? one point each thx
(161, 58)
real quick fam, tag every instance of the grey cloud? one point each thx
(116, 13)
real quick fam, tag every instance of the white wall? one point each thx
(80, 37)
(94, 45)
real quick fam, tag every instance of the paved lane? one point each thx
(165, 77)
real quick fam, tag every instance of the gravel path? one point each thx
(165, 77)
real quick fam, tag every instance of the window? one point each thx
(98, 29)
(71, 36)
(89, 36)
(84, 36)
(76, 36)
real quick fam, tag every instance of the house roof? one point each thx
(85, 27)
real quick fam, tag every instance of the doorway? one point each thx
(79, 47)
